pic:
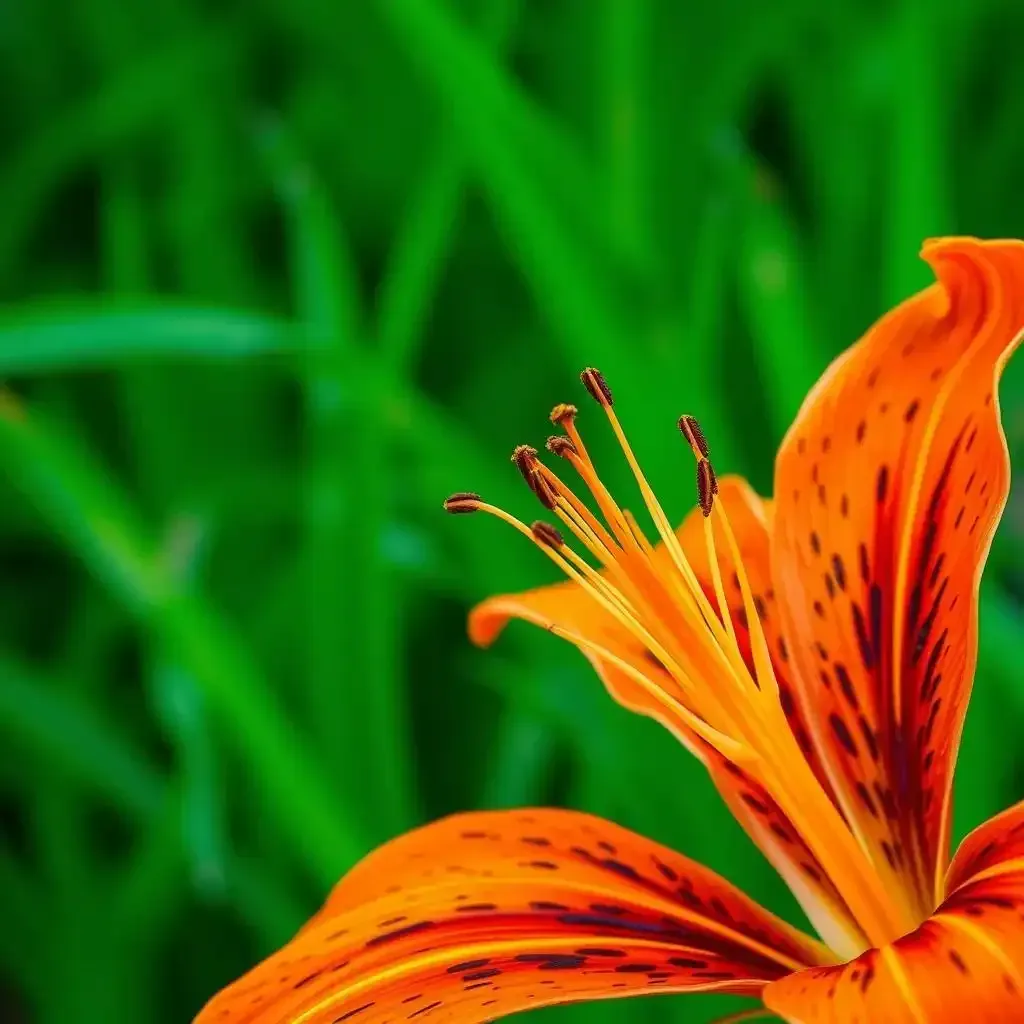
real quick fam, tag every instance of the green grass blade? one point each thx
(71, 735)
(521, 763)
(67, 735)
(570, 291)
(548, 151)
(355, 701)
(417, 254)
(129, 102)
(625, 27)
(202, 815)
(82, 334)
(779, 310)
(919, 202)
(84, 508)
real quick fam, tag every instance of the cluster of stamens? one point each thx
(654, 593)
(681, 645)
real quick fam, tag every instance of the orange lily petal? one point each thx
(888, 489)
(965, 963)
(486, 914)
(996, 845)
(568, 606)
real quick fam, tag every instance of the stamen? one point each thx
(462, 502)
(525, 459)
(638, 534)
(597, 386)
(634, 551)
(706, 486)
(545, 533)
(764, 672)
(523, 456)
(712, 637)
(694, 436)
(601, 590)
(634, 581)
(561, 446)
(613, 515)
(724, 744)
(716, 573)
(667, 534)
(582, 521)
(563, 414)
(620, 563)
(708, 704)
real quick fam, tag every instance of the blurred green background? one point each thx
(279, 275)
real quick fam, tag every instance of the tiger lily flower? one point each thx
(816, 652)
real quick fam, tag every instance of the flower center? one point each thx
(703, 684)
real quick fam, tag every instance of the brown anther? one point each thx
(690, 429)
(462, 502)
(714, 477)
(525, 459)
(597, 386)
(707, 486)
(546, 534)
(541, 486)
(563, 413)
(561, 446)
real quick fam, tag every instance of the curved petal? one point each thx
(965, 963)
(998, 845)
(888, 489)
(568, 606)
(483, 915)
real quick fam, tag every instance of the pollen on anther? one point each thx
(690, 429)
(707, 486)
(523, 456)
(563, 413)
(561, 446)
(462, 502)
(597, 387)
(546, 534)
(525, 459)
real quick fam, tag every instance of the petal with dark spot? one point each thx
(911, 412)
(587, 930)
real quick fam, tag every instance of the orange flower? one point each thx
(816, 652)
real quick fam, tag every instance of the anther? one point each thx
(525, 459)
(561, 446)
(540, 486)
(597, 386)
(563, 413)
(690, 429)
(462, 502)
(546, 534)
(707, 486)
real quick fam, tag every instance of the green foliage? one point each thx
(276, 278)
